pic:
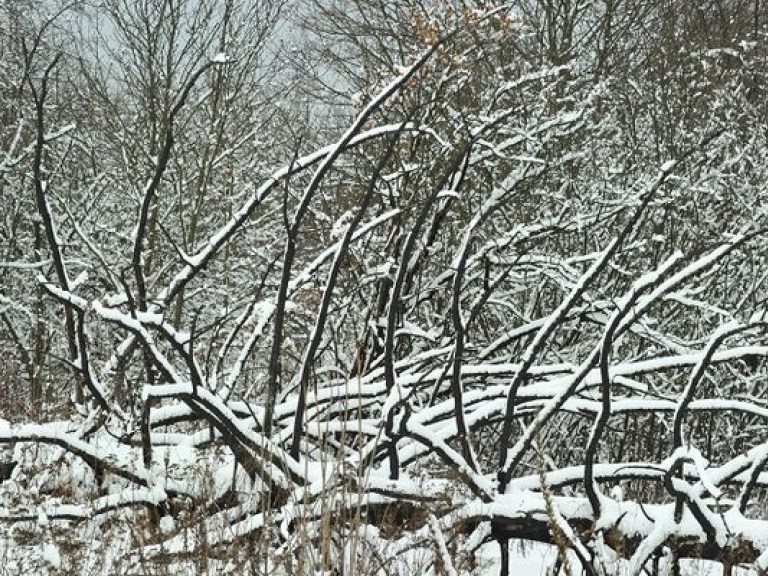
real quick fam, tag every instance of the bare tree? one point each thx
(510, 300)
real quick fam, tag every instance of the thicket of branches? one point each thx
(438, 275)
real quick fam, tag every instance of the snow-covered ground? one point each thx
(536, 559)
(99, 557)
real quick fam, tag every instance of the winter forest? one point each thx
(361, 287)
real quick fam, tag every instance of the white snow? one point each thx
(51, 554)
